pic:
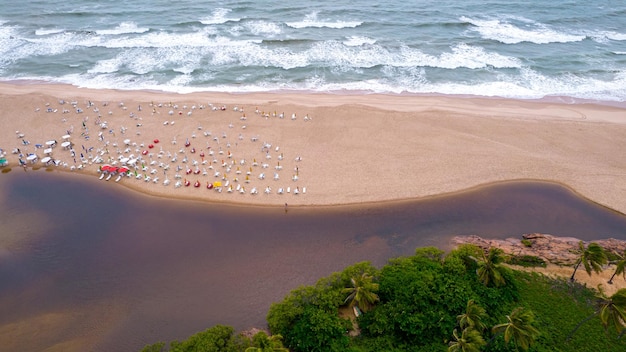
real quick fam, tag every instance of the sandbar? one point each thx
(309, 149)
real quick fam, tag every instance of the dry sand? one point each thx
(592, 281)
(343, 148)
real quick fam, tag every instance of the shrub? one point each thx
(527, 261)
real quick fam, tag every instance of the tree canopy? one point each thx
(430, 301)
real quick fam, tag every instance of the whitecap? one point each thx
(356, 40)
(263, 28)
(105, 66)
(606, 36)
(123, 28)
(463, 55)
(218, 16)
(505, 32)
(44, 31)
(312, 21)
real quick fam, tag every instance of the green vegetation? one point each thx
(620, 266)
(463, 301)
(528, 261)
(222, 338)
(592, 258)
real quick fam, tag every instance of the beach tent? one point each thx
(106, 168)
(3, 162)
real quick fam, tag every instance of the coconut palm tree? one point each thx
(519, 327)
(489, 269)
(362, 292)
(620, 265)
(469, 341)
(473, 317)
(592, 258)
(264, 343)
(611, 310)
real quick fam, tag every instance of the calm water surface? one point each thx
(88, 261)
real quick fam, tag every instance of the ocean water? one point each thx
(571, 49)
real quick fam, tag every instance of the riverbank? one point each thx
(313, 149)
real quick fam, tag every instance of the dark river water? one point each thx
(88, 264)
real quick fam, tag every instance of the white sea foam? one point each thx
(159, 40)
(263, 28)
(106, 66)
(48, 31)
(358, 41)
(11, 48)
(463, 55)
(606, 36)
(503, 31)
(55, 44)
(311, 20)
(218, 16)
(123, 28)
(528, 85)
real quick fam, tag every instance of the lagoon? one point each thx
(89, 265)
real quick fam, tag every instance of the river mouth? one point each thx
(110, 269)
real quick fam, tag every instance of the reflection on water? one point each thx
(91, 266)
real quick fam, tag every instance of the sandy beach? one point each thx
(313, 149)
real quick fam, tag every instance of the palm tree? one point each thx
(362, 292)
(264, 343)
(489, 270)
(620, 265)
(519, 327)
(592, 258)
(470, 341)
(611, 310)
(473, 316)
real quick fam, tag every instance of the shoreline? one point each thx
(353, 149)
(551, 99)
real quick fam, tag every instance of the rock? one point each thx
(556, 250)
